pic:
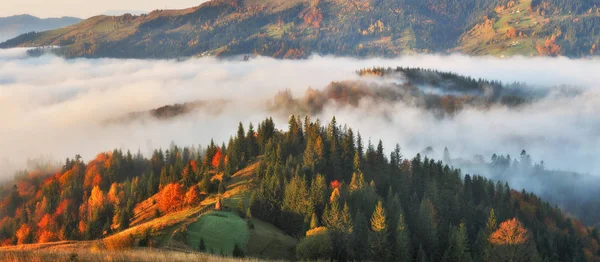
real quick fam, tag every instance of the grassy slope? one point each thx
(491, 39)
(219, 229)
(265, 240)
(270, 242)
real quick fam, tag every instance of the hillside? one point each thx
(311, 192)
(299, 28)
(175, 232)
(14, 26)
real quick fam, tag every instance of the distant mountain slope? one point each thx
(13, 26)
(299, 28)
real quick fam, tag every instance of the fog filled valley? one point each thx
(530, 122)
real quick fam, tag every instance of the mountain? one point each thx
(312, 192)
(13, 26)
(444, 94)
(299, 28)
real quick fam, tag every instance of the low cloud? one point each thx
(52, 106)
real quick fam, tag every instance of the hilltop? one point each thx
(299, 28)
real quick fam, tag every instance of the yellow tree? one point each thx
(379, 234)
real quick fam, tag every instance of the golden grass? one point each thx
(140, 254)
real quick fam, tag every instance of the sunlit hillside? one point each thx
(330, 198)
(299, 28)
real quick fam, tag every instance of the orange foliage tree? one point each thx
(335, 194)
(510, 232)
(511, 242)
(217, 158)
(192, 197)
(47, 230)
(23, 235)
(171, 197)
(550, 47)
(96, 200)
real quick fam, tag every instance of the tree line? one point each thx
(344, 198)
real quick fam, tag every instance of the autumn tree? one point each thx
(511, 242)
(511, 32)
(192, 196)
(379, 246)
(24, 235)
(171, 197)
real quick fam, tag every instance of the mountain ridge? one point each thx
(362, 28)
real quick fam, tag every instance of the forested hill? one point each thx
(299, 28)
(341, 198)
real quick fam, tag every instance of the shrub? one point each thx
(314, 247)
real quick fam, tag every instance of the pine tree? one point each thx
(331, 217)
(358, 246)
(318, 193)
(251, 143)
(188, 176)
(458, 245)
(357, 182)
(378, 242)
(485, 247)
(240, 150)
(356, 162)
(428, 228)
(491, 224)
(346, 220)
(164, 178)
(402, 240)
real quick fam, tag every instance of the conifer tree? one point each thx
(318, 193)
(346, 220)
(458, 245)
(485, 248)
(428, 228)
(331, 216)
(359, 245)
(402, 240)
(378, 242)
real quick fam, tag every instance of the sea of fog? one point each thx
(54, 107)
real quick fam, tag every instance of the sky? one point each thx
(86, 8)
